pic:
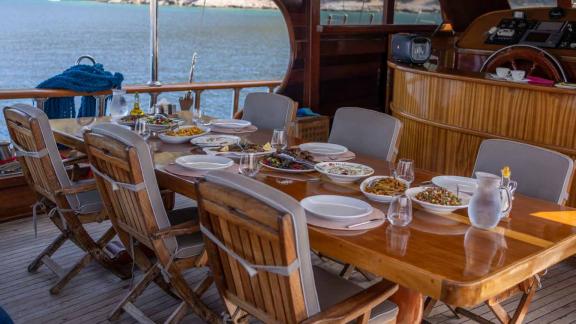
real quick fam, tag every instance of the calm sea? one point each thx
(41, 38)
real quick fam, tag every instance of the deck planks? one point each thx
(92, 295)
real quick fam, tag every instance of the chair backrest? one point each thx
(124, 172)
(264, 227)
(37, 152)
(540, 173)
(366, 132)
(269, 110)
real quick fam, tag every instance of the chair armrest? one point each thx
(78, 187)
(357, 305)
(74, 160)
(190, 227)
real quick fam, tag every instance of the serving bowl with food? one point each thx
(438, 200)
(383, 188)
(240, 149)
(344, 172)
(159, 123)
(129, 120)
(287, 163)
(183, 134)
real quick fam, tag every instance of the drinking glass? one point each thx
(141, 128)
(118, 105)
(400, 211)
(249, 164)
(279, 139)
(198, 117)
(405, 170)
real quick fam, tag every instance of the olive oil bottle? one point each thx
(136, 110)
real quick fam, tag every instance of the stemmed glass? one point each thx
(405, 170)
(249, 164)
(400, 211)
(279, 139)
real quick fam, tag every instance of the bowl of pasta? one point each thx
(383, 188)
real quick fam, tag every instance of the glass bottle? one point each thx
(136, 110)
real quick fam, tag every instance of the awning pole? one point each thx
(154, 44)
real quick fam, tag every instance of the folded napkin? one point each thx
(181, 171)
(334, 158)
(248, 129)
(341, 225)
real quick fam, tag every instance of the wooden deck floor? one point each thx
(90, 297)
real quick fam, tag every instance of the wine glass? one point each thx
(198, 117)
(400, 211)
(249, 164)
(405, 170)
(279, 139)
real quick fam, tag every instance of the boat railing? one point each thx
(198, 88)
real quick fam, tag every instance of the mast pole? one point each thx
(154, 49)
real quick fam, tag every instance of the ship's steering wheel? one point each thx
(535, 61)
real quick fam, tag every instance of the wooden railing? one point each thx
(41, 95)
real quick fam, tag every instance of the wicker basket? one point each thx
(313, 129)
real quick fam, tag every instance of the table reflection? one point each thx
(397, 240)
(484, 249)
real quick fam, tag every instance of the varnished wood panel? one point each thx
(446, 118)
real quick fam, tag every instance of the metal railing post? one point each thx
(153, 49)
(236, 101)
(40, 102)
(102, 105)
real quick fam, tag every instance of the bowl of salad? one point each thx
(438, 200)
(159, 123)
(288, 164)
(344, 172)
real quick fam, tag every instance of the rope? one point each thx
(116, 185)
(21, 152)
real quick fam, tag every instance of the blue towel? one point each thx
(4, 317)
(80, 78)
(306, 112)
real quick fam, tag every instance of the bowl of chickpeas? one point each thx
(183, 134)
(383, 188)
(438, 200)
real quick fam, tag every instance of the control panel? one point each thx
(551, 33)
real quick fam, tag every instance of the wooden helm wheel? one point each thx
(535, 61)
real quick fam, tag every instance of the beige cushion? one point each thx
(188, 245)
(332, 290)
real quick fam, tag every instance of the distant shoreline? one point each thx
(270, 5)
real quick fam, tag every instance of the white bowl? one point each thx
(323, 148)
(453, 183)
(375, 197)
(343, 178)
(204, 162)
(337, 208)
(182, 139)
(434, 208)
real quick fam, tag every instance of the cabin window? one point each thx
(351, 12)
(417, 12)
(532, 3)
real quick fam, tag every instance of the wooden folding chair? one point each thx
(124, 171)
(257, 243)
(69, 204)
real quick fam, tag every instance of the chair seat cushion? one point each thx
(333, 289)
(90, 202)
(189, 245)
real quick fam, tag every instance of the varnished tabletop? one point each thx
(440, 256)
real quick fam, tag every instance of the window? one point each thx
(351, 12)
(420, 12)
(532, 3)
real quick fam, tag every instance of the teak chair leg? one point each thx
(71, 274)
(193, 300)
(48, 252)
(148, 277)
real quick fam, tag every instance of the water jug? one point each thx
(118, 105)
(486, 207)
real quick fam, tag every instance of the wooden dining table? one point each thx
(440, 256)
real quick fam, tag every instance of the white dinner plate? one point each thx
(215, 140)
(337, 208)
(455, 183)
(230, 123)
(323, 148)
(204, 162)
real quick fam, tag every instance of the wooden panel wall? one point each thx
(446, 119)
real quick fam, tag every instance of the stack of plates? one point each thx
(336, 208)
(230, 123)
(204, 162)
(323, 148)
